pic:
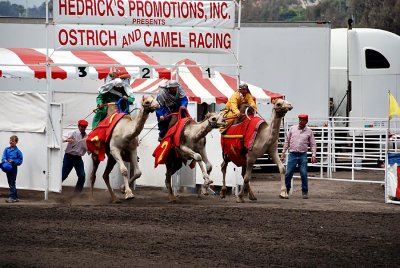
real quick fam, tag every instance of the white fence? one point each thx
(342, 148)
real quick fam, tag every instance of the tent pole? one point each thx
(48, 100)
(238, 43)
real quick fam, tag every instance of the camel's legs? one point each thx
(124, 172)
(224, 164)
(135, 166)
(276, 160)
(106, 177)
(246, 172)
(208, 170)
(96, 163)
(168, 176)
(197, 157)
(205, 160)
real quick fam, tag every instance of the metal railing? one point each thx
(347, 144)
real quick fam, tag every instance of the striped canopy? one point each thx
(31, 63)
(200, 89)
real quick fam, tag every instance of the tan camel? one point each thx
(193, 147)
(122, 146)
(266, 142)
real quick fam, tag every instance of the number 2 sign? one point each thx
(146, 72)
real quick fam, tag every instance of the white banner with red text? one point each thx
(220, 14)
(143, 38)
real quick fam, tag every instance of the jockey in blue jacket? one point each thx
(171, 96)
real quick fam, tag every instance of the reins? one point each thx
(140, 140)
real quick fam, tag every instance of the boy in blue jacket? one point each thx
(13, 156)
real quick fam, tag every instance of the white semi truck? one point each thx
(365, 65)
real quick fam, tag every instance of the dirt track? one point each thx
(342, 224)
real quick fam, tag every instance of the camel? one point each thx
(266, 142)
(193, 147)
(122, 146)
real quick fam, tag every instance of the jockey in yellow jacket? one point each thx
(242, 96)
(239, 97)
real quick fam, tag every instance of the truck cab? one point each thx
(370, 60)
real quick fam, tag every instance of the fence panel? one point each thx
(341, 148)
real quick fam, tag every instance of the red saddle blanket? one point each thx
(171, 140)
(239, 138)
(99, 136)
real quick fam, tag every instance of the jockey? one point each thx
(239, 97)
(116, 86)
(171, 96)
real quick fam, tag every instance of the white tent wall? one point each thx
(24, 115)
(31, 173)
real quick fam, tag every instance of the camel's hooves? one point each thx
(222, 196)
(172, 201)
(129, 197)
(239, 200)
(283, 196)
(116, 201)
(253, 198)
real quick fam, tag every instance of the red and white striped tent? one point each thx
(31, 63)
(199, 89)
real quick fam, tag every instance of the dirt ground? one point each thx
(343, 224)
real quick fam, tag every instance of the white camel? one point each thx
(266, 142)
(193, 147)
(122, 146)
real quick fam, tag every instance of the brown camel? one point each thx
(193, 147)
(122, 146)
(266, 142)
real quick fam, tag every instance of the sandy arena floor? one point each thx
(343, 224)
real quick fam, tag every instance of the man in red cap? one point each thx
(298, 139)
(76, 148)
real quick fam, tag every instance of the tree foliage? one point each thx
(11, 10)
(383, 14)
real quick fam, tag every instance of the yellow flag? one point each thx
(394, 108)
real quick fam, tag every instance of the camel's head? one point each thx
(215, 119)
(281, 106)
(149, 103)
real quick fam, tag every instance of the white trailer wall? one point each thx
(292, 59)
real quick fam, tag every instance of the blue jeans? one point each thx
(74, 161)
(12, 178)
(294, 160)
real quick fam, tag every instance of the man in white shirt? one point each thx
(76, 148)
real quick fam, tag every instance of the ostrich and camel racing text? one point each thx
(151, 25)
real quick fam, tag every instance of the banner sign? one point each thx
(143, 38)
(219, 14)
